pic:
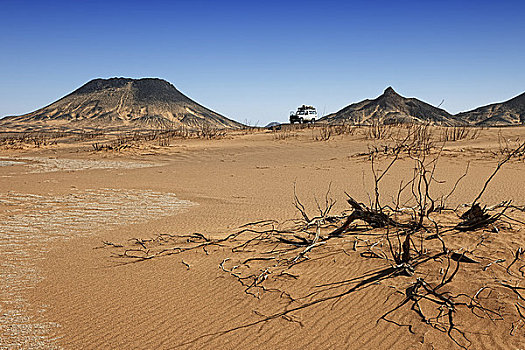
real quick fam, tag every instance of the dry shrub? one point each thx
(30, 139)
(456, 133)
(209, 132)
(506, 146)
(325, 132)
(345, 129)
(162, 137)
(378, 130)
(88, 135)
(280, 135)
(406, 139)
(420, 140)
(249, 130)
(285, 132)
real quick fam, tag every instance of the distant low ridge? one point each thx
(391, 108)
(152, 103)
(136, 103)
(511, 112)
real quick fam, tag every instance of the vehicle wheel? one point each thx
(301, 120)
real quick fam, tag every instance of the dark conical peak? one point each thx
(389, 91)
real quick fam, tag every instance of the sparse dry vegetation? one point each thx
(325, 132)
(16, 140)
(507, 145)
(424, 135)
(456, 133)
(108, 141)
(285, 132)
(161, 138)
(378, 130)
(420, 246)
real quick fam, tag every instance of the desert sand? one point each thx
(68, 212)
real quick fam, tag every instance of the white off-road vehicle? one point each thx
(304, 114)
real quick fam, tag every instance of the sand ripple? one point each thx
(31, 222)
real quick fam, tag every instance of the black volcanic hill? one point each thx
(511, 112)
(140, 103)
(390, 108)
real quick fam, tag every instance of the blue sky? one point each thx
(256, 61)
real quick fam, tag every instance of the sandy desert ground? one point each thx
(69, 213)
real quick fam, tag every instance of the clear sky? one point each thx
(254, 61)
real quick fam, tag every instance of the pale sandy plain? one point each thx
(61, 288)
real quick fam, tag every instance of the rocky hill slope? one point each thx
(391, 107)
(135, 103)
(511, 112)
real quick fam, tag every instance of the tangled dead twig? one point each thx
(412, 243)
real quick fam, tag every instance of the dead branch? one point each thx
(517, 256)
(408, 240)
(502, 162)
